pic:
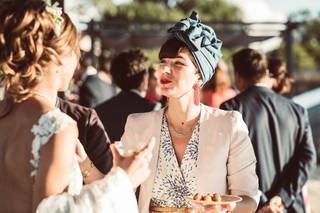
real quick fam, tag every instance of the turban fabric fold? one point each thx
(201, 41)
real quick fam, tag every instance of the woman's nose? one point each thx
(165, 69)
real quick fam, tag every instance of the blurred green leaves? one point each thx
(310, 39)
(161, 10)
(149, 10)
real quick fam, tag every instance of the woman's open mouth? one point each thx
(165, 81)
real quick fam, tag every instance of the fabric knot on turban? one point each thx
(201, 41)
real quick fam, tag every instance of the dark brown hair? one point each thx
(282, 77)
(171, 48)
(128, 69)
(250, 64)
(29, 43)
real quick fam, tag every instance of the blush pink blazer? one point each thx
(226, 160)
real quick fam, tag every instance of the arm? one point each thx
(303, 161)
(85, 96)
(98, 143)
(112, 194)
(89, 172)
(97, 146)
(57, 158)
(242, 178)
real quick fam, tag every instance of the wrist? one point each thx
(86, 167)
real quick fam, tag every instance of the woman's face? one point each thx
(69, 64)
(178, 75)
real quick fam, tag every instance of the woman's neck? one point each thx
(49, 95)
(182, 111)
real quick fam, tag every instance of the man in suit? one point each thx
(280, 132)
(91, 134)
(130, 72)
(93, 90)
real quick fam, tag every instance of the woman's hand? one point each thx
(137, 165)
(274, 206)
(224, 208)
(89, 172)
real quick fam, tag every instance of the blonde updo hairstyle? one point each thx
(29, 44)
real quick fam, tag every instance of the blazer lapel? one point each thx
(147, 186)
(202, 148)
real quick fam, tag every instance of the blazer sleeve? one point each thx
(241, 164)
(98, 143)
(303, 161)
(85, 97)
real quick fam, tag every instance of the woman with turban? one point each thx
(198, 149)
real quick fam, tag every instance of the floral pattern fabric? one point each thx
(174, 183)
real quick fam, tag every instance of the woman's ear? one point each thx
(196, 93)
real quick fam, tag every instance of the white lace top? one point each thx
(172, 183)
(105, 195)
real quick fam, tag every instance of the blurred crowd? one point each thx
(93, 84)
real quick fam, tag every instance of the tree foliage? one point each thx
(311, 39)
(211, 9)
(169, 10)
(148, 10)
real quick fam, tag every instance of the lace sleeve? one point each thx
(49, 124)
(112, 194)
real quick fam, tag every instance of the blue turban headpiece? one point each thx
(201, 41)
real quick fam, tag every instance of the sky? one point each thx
(274, 10)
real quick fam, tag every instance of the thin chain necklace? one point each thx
(45, 97)
(181, 133)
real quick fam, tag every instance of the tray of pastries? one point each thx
(214, 199)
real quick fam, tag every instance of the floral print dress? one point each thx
(173, 184)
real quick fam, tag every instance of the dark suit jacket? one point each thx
(91, 134)
(114, 112)
(94, 91)
(280, 132)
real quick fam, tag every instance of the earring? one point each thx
(197, 94)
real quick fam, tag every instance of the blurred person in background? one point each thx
(282, 85)
(129, 71)
(218, 89)
(278, 71)
(93, 90)
(280, 133)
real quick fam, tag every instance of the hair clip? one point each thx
(56, 13)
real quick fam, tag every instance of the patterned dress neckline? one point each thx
(174, 183)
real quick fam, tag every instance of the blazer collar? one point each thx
(202, 147)
(147, 186)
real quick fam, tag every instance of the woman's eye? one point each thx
(179, 63)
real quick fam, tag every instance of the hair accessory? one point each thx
(56, 13)
(202, 42)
